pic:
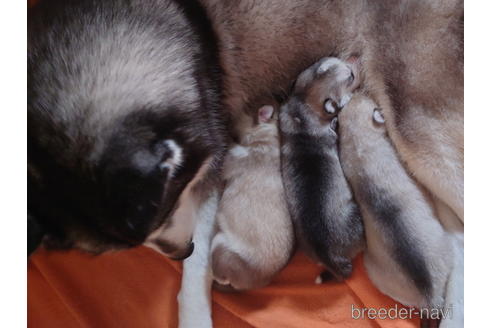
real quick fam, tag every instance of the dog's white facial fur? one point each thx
(172, 163)
(409, 255)
(255, 235)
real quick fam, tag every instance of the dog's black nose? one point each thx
(188, 251)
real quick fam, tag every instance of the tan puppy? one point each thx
(255, 235)
(409, 255)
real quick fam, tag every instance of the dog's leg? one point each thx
(194, 299)
(453, 316)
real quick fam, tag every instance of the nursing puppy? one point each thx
(326, 218)
(255, 236)
(409, 255)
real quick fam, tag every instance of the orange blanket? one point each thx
(138, 288)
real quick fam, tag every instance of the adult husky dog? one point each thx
(123, 100)
(123, 112)
(125, 130)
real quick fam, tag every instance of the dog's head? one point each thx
(122, 115)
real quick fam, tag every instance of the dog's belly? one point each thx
(413, 64)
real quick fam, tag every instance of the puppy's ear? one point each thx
(377, 115)
(35, 233)
(265, 113)
(334, 123)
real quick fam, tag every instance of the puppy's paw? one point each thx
(324, 276)
(343, 268)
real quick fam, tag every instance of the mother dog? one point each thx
(125, 129)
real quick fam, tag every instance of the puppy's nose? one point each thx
(181, 255)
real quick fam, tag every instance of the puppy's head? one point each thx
(327, 86)
(122, 115)
(319, 93)
(362, 118)
(297, 118)
(265, 130)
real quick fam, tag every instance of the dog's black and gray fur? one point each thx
(327, 220)
(123, 111)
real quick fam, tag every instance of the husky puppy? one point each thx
(255, 236)
(326, 218)
(123, 122)
(409, 255)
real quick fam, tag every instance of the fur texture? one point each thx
(123, 112)
(407, 49)
(409, 255)
(255, 237)
(146, 57)
(327, 220)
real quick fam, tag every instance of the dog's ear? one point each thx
(265, 113)
(35, 233)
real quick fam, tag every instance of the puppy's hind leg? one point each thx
(194, 299)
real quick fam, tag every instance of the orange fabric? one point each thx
(138, 288)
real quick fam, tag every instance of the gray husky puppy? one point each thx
(409, 255)
(326, 218)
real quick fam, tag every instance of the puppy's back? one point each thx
(406, 245)
(327, 220)
(255, 237)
